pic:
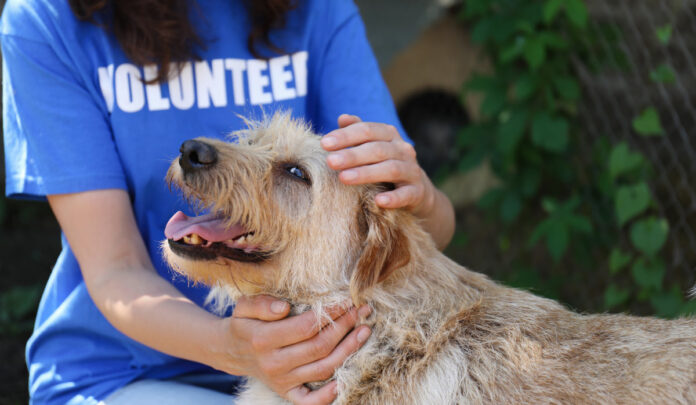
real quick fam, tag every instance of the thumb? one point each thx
(261, 307)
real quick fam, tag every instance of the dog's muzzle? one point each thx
(196, 156)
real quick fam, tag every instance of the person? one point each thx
(98, 96)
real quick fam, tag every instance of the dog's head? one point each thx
(279, 221)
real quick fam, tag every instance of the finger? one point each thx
(367, 153)
(301, 327)
(357, 134)
(346, 119)
(390, 171)
(405, 196)
(262, 307)
(323, 343)
(326, 367)
(302, 395)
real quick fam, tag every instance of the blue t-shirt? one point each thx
(78, 117)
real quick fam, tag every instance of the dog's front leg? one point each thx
(256, 393)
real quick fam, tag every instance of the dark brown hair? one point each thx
(160, 32)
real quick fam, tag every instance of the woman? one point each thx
(98, 96)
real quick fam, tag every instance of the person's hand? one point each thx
(285, 353)
(368, 152)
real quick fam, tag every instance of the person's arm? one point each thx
(257, 340)
(367, 152)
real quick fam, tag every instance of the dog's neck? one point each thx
(429, 281)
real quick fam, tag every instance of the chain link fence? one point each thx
(627, 84)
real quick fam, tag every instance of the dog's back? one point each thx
(506, 346)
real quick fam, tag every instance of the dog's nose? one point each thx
(196, 155)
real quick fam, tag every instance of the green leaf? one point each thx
(525, 87)
(534, 52)
(663, 74)
(648, 273)
(668, 304)
(552, 40)
(557, 240)
(648, 123)
(688, 309)
(622, 160)
(576, 12)
(472, 158)
(529, 181)
(551, 9)
(631, 201)
(471, 135)
(618, 260)
(649, 235)
(567, 87)
(510, 207)
(482, 83)
(490, 198)
(513, 51)
(550, 133)
(493, 103)
(511, 131)
(664, 34)
(615, 296)
(483, 30)
(579, 223)
(19, 301)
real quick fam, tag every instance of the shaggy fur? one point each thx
(441, 334)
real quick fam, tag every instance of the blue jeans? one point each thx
(195, 389)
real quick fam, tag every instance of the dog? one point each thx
(282, 224)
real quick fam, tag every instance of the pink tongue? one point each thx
(209, 227)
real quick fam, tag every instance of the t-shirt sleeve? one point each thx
(56, 132)
(349, 79)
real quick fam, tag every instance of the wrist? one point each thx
(217, 347)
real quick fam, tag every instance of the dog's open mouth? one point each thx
(208, 237)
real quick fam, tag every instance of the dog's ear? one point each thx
(385, 247)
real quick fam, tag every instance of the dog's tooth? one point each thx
(187, 239)
(196, 239)
(241, 239)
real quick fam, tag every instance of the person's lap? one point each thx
(185, 390)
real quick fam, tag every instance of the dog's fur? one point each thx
(441, 334)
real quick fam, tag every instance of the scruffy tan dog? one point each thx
(282, 224)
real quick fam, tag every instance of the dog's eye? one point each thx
(297, 172)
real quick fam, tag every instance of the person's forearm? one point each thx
(146, 308)
(438, 218)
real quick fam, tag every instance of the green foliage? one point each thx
(648, 123)
(649, 235)
(663, 74)
(631, 200)
(17, 307)
(622, 160)
(529, 133)
(664, 34)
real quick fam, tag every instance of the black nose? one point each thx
(196, 155)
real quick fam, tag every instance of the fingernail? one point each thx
(365, 311)
(349, 175)
(335, 159)
(328, 141)
(382, 199)
(279, 307)
(364, 334)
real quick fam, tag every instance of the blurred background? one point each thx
(564, 131)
